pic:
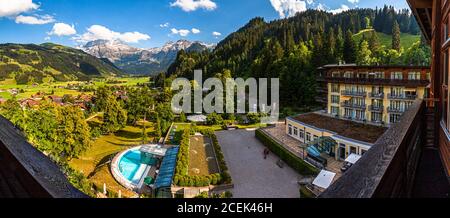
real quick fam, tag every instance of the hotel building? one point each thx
(361, 102)
(375, 94)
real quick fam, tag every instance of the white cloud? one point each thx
(321, 7)
(164, 25)
(353, 1)
(193, 5)
(62, 29)
(96, 32)
(288, 8)
(181, 32)
(216, 34)
(35, 20)
(15, 7)
(339, 10)
(47, 38)
(195, 31)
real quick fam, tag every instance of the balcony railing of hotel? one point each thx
(376, 108)
(373, 81)
(26, 171)
(352, 105)
(354, 93)
(388, 169)
(402, 97)
(396, 110)
(376, 95)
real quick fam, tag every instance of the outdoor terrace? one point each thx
(349, 129)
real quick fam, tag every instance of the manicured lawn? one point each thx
(202, 160)
(94, 163)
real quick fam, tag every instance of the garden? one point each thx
(184, 177)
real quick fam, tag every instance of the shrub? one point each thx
(306, 193)
(293, 161)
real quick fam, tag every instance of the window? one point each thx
(290, 129)
(397, 75)
(336, 74)
(302, 134)
(414, 76)
(445, 94)
(348, 75)
(353, 150)
(334, 110)
(394, 118)
(348, 113)
(397, 105)
(335, 99)
(295, 131)
(316, 137)
(308, 137)
(377, 117)
(397, 91)
(335, 88)
(360, 115)
(377, 90)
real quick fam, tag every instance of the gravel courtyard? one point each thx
(254, 177)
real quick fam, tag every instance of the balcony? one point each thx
(396, 110)
(28, 173)
(376, 108)
(354, 93)
(389, 168)
(376, 95)
(378, 82)
(402, 97)
(352, 105)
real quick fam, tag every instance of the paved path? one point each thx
(254, 177)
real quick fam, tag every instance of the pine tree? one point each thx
(396, 37)
(374, 42)
(349, 48)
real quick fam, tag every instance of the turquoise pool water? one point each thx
(131, 167)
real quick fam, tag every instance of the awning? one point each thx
(353, 158)
(324, 179)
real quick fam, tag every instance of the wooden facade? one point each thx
(434, 20)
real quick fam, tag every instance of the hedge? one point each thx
(292, 160)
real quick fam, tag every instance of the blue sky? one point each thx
(148, 23)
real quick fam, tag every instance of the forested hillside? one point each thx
(292, 49)
(50, 62)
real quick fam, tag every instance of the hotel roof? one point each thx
(346, 66)
(348, 129)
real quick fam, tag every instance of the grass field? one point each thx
(49, 88)
(94, 163)
(202, 160)
(406, 40)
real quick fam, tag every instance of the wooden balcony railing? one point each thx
(27, 173)
(388, 169)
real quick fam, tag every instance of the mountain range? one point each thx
(140, 61)
(30, 63)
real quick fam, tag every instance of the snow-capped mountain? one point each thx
(141, 61)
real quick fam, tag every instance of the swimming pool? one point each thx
(130, 166)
